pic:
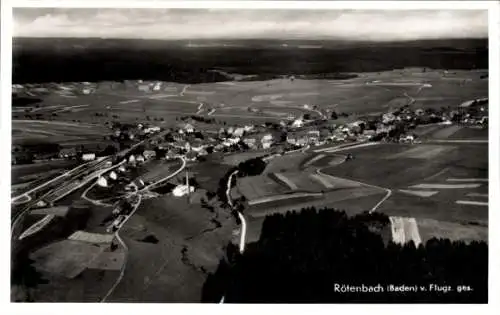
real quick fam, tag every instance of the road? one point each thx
(243, 234)
(375, 207)
(125, 249)
(136, 206)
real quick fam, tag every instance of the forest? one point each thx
(302, 256)
(38, 60)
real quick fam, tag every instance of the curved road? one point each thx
(136, 206)
(243, 234)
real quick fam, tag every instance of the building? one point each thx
(182, 190)
(149, 154)
(238, 132)
(198, 146)
(157, 86)
(388, 118)
(143, 88)
(113, 175)
(67, 153)
(102, 182)
(298, 123)
(88, 156)
(152, 129)
(248, 128)
(140, 158)
(250, 142)
(188, 128)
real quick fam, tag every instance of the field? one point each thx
(441, 182)
(29, 172)
(157, 169)
(56, 131)
(441, 132)
(257, 101)
(190, 244)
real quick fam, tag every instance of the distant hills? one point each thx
(37, 60)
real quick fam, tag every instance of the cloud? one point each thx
(226, 23)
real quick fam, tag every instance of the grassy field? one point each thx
(443, 171)
(57, 131)
(287, 162)
(158, 169)
(275, 99)
(190, 244)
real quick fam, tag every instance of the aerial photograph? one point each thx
(190, 155)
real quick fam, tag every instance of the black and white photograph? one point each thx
(255, 155)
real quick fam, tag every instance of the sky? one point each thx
(173, 24)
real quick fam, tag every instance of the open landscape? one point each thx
(162, 162)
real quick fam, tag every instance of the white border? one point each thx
(6, 47)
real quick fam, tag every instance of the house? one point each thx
(131, 159)
(143, 87)
(178, 137)
(250, 142)
(238, 132)
(182, 190)
(67, 153)
(88, 156)
(149, 154)
(140, 158)
(219, 147)
(388, 118)
(369, 133)
(248, 128)
(87, 91)
(298, 123)
(197, 146)
(152, 129)
(267, 138)
(188, 128)
(102, 182)
(170, 155)
(157, 86)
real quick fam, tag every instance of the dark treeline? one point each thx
(301, 257)
(59, 60)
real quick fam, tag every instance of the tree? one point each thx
(334, 115)
(301, 256)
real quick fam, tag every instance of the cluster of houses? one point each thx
(185, 139)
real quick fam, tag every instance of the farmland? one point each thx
(256, 101)
(189, 245)
(443, 183)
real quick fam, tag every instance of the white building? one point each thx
(298, 123)
(238, 132)
(152, 129)
(157, 86)
(140, 158)
(113, 175)
(88, 156)
(182, 190)
(248, 128)
(102, 182)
